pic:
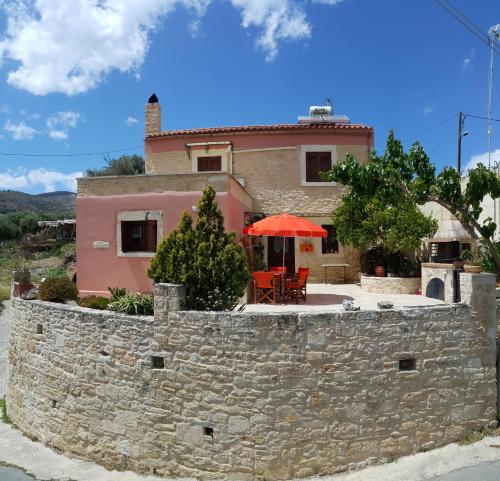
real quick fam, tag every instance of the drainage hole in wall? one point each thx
(104, 353)
(207, 431)
(157, 362)
(153, 470)
(39, 329)
(54, 403)
(407, 364)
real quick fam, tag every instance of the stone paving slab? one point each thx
(328, 297)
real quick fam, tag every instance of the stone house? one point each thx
(256, 170)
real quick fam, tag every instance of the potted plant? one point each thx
(472, 260)
(380, 271)
(22, 281)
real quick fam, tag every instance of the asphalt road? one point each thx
(480, 472)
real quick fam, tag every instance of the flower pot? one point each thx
(380, 271)
(20, 288)
(471, 269)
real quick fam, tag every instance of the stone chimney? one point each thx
(153, 116)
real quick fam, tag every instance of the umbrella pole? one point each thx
(284, 251)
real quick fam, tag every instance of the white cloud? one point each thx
(328, 2)
(279, 20)
(48, 179)
(4, 109)
(131, 120)
(194, 27)
(58, 134)
(483, 159)
(428, 109)
(61, 122)
(468, 61)
(20, 131)
(69, 46)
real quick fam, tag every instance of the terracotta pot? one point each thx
(380, 271)
(472, 269)
(20, 288)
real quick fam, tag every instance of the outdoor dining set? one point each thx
(278, 285)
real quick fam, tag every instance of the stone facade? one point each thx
(442, 274)
(391, 285)
(251, 395)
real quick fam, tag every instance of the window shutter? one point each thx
(317, 162)
(150, 236)
(208, 164)
(126, 236)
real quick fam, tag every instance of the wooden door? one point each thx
(275, 252)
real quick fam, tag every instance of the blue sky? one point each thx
(74, 77)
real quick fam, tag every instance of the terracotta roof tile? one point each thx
(262, 128)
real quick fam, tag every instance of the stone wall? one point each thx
(251, 395)
(391, 285)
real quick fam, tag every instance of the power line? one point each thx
(430, 129)
(13, 154)
(467, 23)
(479, 117)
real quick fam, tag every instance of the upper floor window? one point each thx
(330, 243)
(317, 162)
(139, 236)
(210, 164)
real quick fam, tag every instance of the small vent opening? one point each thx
(407, 364)
(157, 362)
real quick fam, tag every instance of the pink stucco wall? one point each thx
(98, 269)
(262, 140)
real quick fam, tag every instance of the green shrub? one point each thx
(117, 293)
(8, 229)
(3, 408)
(94, 302)
(205, 258)
(23, 276)
(134, 303)
(58, 289)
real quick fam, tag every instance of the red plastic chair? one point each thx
(264, 287)
(296, 287)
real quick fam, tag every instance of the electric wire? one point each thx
(430, 129)
(467, 23)
(14, 154)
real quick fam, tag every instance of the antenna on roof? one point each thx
(330, 103)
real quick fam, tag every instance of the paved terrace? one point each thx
(326, 297)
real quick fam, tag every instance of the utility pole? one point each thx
(459, 155)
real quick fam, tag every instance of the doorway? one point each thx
(275, 252)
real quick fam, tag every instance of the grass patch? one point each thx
(3, 408)
(476, 436)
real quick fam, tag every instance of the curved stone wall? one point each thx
(252, 395)
(391, 285)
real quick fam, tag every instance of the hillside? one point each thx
(51, 202)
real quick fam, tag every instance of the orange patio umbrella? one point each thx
(285, 225)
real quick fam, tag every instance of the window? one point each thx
(210, 164)
(317, 162)
(139, 236)
(330, 243)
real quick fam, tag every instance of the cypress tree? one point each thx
(204, 258)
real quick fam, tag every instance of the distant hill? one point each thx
(53, 202)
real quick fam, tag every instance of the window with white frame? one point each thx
(314, 160)
(138, 233)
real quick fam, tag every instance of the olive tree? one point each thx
(408, 179)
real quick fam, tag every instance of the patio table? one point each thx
(326, 266)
